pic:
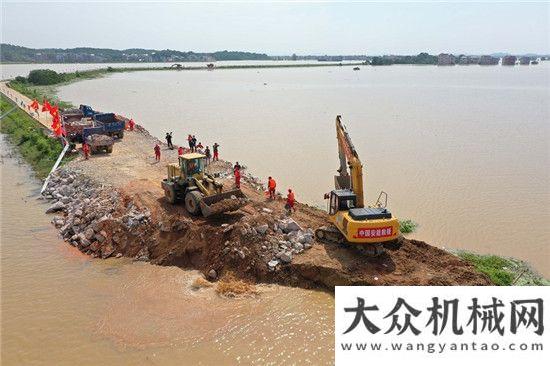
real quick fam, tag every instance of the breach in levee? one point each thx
(370, 228)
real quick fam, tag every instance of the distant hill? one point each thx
(12, 53)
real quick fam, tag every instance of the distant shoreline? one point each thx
(346, 62)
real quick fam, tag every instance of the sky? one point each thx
(283, 28)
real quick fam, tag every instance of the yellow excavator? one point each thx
(369, 228)
(202, 194)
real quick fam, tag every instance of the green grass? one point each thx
(30, 138)
(407, 226)
(40, 93)
(504, 271)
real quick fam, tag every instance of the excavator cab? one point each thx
(341, 200)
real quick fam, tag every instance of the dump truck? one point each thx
(88, 111)
(74, 121)
(106, 124)
(100, 143)
(202, 194)
(370, 229)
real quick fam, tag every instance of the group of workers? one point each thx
(199, 148)
(290, 200)
(193, 147)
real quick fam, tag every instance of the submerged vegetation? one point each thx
(504, 271)
(407, 226)
(41, 84)
(50, 77)
(31, 138)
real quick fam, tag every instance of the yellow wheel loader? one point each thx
(201, 193)
(370, 228)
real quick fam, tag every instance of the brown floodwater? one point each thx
(60, 307)
(464, 151)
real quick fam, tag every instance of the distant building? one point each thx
(524, 60)
(445, 59)
(509, 60)
(488, 60)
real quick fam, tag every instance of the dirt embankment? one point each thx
(113, 205)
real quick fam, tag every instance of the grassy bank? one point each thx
(504, 271)
(40, 93)
(30, 138)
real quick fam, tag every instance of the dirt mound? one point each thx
(225, 205)
(248, 241)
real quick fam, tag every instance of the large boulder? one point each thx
(107, 251)
(272, 264)
(285, 256)
(89, 233)
(288, 225)
(143, 255)
(262, 229)
(58, 206)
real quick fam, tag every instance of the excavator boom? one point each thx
(349, 159)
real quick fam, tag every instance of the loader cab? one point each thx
(192, 165)
(341, 200)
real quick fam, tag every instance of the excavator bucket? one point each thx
(223, 202)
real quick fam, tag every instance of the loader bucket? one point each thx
(223, 202)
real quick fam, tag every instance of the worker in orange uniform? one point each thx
(131, 124)
(86, 150)
(237, 173)
(157, 152)
(271, 184)
(290, 201)
(215, 147)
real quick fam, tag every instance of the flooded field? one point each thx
(62, 307)
(463, 151)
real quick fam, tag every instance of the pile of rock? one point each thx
(86, 205)
(275, 241)
(294, 241)
(253, 181)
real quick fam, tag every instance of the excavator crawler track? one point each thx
(331, 235)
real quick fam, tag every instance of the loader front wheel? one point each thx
(192, 202)
(170, 195)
